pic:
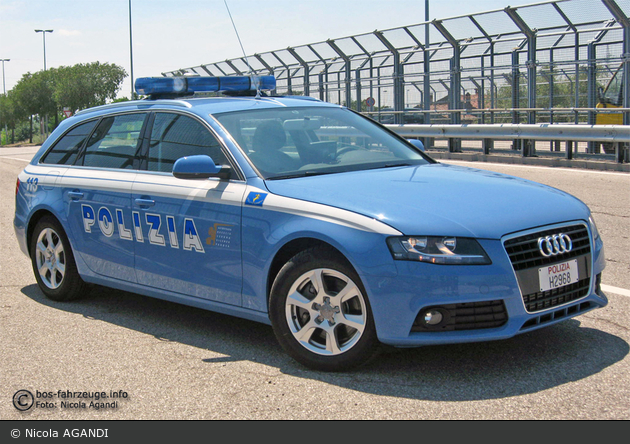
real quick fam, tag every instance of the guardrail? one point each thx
(614, 138)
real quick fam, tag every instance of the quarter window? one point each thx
(114, 142)
(174, 136)
(66, 149)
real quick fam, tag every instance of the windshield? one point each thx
(294, 142)
(612, 94)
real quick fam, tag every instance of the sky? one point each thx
(172, 34)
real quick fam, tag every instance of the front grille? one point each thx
(466, 316)
(553, 298)
(523, 250)
(572, 310)
(526, 259)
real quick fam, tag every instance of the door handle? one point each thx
(75, 195)
(145, 203)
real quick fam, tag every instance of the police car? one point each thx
(303, 215)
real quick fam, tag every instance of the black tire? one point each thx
(53, 262)
(330, 329)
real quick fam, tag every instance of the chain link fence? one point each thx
(541, 63)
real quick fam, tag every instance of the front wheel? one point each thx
(53, 262)
(320, 312)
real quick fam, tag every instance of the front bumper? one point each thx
(397, 301)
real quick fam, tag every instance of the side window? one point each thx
(66, 149)
(114, 142)
(174, 136)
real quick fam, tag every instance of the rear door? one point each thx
(98, 191)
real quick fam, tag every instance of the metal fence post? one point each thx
(358, 89)
(622, 19)
(306, 68)
(398, 74)
(528, 146)
(348, 71)
(321, 85)
(454, 145)
(516, 87)
(593, 147)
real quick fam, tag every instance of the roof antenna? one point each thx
(254, 79)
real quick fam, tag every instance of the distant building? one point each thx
(470, 102)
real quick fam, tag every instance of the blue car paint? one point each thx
(436, 199)
(416, 200)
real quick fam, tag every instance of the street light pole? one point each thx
(131, 51)
(4, 89)
(44, 31)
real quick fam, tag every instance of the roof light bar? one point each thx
(188, 85)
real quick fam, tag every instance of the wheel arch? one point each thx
(293, 247)
(32, 223)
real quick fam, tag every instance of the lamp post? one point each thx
(4, 89)
(131, 52)
(44, 31)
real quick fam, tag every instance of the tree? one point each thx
(564, 91)
(46, 93)
(86, 85)
(33, 94)
(7, 113)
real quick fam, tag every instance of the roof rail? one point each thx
(138, 103)
(308, 98)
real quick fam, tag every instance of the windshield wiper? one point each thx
(300, 174)
(392, 165)
(321, 173)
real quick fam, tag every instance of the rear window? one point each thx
(114, 142)
(67, 148)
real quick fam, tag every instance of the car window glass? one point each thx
(174, 136)
(114, 142)
(613, 91)
(66, 149)
(320, 140)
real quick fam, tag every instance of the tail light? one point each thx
(17, 187)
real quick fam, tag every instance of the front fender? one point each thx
(265, 233)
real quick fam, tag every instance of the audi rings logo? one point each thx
(555, 245)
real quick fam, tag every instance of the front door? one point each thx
(191, 229)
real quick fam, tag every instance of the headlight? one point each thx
(591, 223)
(438, 250)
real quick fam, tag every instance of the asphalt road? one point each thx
(176, 362)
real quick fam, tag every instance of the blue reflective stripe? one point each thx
(137, 227)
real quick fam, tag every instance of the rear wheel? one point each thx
(320, 312)
(53, 262)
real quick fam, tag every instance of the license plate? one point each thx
(558, 275)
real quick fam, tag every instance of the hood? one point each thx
(438, 199)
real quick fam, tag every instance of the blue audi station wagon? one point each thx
(303, 215)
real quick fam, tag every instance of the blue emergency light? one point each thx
(190, 85)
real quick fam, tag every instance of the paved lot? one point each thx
(176, 362)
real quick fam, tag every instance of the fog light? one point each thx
(433, 317)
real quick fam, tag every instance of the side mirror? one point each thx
(198, 167)
(417, 143)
